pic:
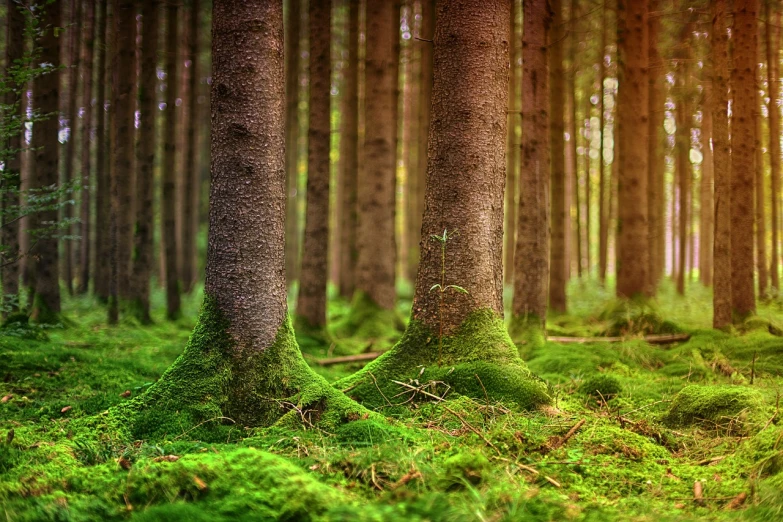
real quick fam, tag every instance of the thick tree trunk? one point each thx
(145, 162)
(101, 273)
(707, 210)
(292, 54)
(655, 167)
(45, 169)
(531, 261)
(14, 50)
(632, 115)
(311, 305)
(168, 211)
(376, 262)
(743, 84)
(603, 184)
(758, 168)
(721, 300)
(773, 68)
(349, 156)
(85, 229)
(557, 252)
(456, 335)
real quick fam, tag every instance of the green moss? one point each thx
(716, 407)
(601, 385)
(479, 361)
(367, 320)
(639, 316)
(462, 469)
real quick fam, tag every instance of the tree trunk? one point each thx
(311, 305)
(773, 68)
(512, 157)
(455, 335)
(603, 184)
(376, 263)
(168, 209)
(14, 50)
(557, 252)
(349, 156)
(292, 91)
(683, 149)
(87, 50)
(410, 130)
(102, 274)
(706, 211)
(531, 261)
(761, 227)
(145, 162)
(632, 115)
(744, 106)
(655, 171)
(572, 132)
(45, 169)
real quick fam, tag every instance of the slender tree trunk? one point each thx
(572, 132)
(169, 177)
(87, 50)
(654, 165)
(311, 305)
(557, 253)
(744, 106)
(531, 261)
(376, 262)
(761, 228)
(145, 162)
(773, 68)
(512, 158)
(683, 149)
(101, 274)
(586, 127)
(292, 51)
(410, 130)
(45, 145)
(14, 50)
(632, 114)
(707, 210)
(349, 156)
(603, 190)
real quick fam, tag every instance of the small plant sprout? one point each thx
(442, 287)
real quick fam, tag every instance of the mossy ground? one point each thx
(467, 457)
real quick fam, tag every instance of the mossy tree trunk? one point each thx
(85, 226)
(102, 173)
(531, 260)
(311, 304)
(145, 163)
(242, 366)
(168, 210)
(456, 333)
(632, 115)
(45, 168)
(14, 50)
(721, 300)
(743, 84)
(773, 69)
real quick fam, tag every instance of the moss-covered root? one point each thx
(479, 361)
(209, 392)
(367, 320)
(724, 408)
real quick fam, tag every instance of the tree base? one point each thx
(479, 361)
(212, 389)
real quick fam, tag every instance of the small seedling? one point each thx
(442, 287)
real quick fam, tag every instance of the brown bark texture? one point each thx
(682, 151)
(632, 121)
(706, 206)
(311, 304)
(84, 226)
(743, 84)
(655, 167)
(190, 176)
(101, 274)
(466, 169)
(292, 52)
(531, 260)
(557, 251)
(573, 167)
(758, 169)
(512, 154)
(773, 77)
(71, 115)
(604, 187)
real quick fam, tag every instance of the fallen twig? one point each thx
(533, 471)
(652, 339)
(713, 460)
(698, 493)
(560, 441)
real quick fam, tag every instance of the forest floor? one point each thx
(621, 442)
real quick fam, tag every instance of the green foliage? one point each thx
(601, 386)
(717, 407)
(636, 317)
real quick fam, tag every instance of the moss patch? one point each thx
(366, 321)
(721, 407)
(601, 386)
(635, 317)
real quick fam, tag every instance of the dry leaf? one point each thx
(6, 398)
(737, 501)
(200, 484)
(67, 408)
(124, 463)
(125, 394)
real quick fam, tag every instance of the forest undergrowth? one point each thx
(685, 431)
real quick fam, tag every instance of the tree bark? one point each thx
(573, 166)
(14, 50)
(632, 115)
(349, 156)
(603, 185)
(375, 269)
(759, 218)
(292, 91)
(655, 174)
(683, 149)
(531, 261)
(707, 210)
(743, 85)
(169, 177)
(85, 229)
(773, 69)
(45, 168)
(102, 275)
(145, 162)
(557, 252)
(512, 155)
(311, 305)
